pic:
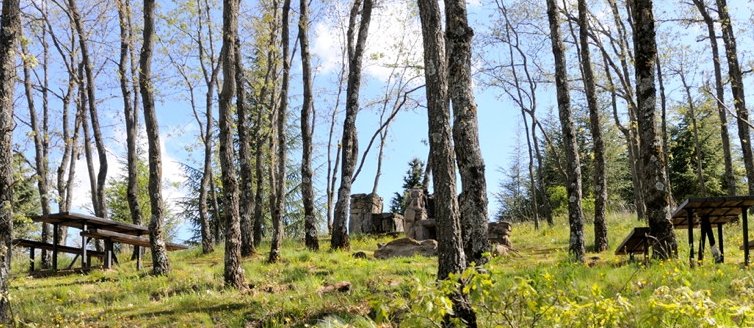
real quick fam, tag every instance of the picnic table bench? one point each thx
(127, 239)
(33, 245)
(637, 242)
(96, 228)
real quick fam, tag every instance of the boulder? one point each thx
(406, 247)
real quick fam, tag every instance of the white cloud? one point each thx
(172, 175)
(394, 31)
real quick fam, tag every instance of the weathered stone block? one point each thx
(362, 207)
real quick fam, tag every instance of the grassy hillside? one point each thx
(535, 287)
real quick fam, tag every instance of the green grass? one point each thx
(287, 293)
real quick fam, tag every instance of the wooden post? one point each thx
(108, 254)
(31, 259)
(138, 258)
(690, 219)
(745, 214)
(703, 234)
(720, 237)
(84, 259)
(55, 238)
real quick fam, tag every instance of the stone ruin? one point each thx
(420, 224)
(367, 216)
(419, 216)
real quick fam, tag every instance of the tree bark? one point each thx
(451, 256)
(124, 11)
(246, 174)
(307, 184)
(737, 88)
(473, 200)
(40, 135)
(259, 176)
(651, 157)
(210, 79)
(10, 33)
(730, 179)
(664, 126)
(332, 170)
(160, 263)
(100, 208)
(630, 132)
(600, 179)
(349, 140)
(278, 210)
(573, 164)
(233, 271)
(70, 147)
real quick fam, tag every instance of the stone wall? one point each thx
(362, 207)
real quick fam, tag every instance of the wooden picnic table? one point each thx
(707, 211)
(97, 228)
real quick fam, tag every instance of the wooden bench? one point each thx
(128, 239)
(637, 242)
(34, 245)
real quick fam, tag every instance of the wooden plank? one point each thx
(65, 249)
(635, 242)
(77, 220)
(128, 239)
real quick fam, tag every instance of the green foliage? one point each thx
(25, 199)
(683, 157)
(558, 196)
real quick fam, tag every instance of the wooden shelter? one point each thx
(708, 211)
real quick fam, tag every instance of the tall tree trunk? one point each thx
(88, 153)
(573, 164)
(532, 175)
(100, 209)
(656, 193)
(473, 200)
(124, 11)
(600, 179)
(349, 140)
(233, 271)
(307, 185)
(259, 176)
(160, 264)
(74, 158)
(10, 33)
(278, 211)
(69, 146)
(210, 79)
(40, 155)
(246, 174)
(631, 132)
(332, 170)
(664, 126)
(730, 179)
(737, 88)
(451, 256)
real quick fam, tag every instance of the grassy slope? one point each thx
(286, 294)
